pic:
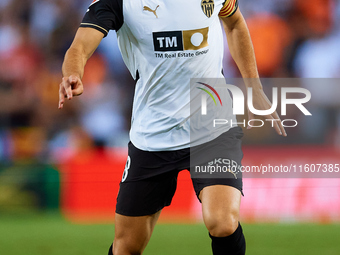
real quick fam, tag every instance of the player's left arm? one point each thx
(242, 51)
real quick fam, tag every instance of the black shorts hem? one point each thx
(199, 188)
(140, 213)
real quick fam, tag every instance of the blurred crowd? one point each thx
(292, 38)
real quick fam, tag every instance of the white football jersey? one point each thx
(164, 44)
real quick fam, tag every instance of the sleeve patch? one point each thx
(229, 8)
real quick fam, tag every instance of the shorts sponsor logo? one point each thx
(220, 166)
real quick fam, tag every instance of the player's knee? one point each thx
(126, 246)
(221, 226)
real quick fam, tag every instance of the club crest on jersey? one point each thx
(208, 7)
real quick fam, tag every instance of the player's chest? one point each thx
(145, 16)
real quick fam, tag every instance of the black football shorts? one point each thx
(150, 177)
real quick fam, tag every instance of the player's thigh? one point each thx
(220, 207)
(132, 233)
(149, 182)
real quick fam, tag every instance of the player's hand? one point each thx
(261, 102)
(69, 87)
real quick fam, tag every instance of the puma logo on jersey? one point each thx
(146, 8)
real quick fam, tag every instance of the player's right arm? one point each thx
(84, 44)
(101, 17)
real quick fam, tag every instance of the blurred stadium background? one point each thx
(60, 170)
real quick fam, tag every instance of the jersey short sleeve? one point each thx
(229, 8)
(104, 15)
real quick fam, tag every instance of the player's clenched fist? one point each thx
(69, 87)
